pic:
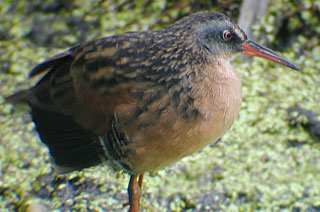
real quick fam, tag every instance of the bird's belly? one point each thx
(174, 136)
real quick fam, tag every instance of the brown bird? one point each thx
(140, 101)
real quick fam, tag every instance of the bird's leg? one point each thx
(134, 192)
(140, 180)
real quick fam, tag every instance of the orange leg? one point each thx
(134, 192)
(140, 180)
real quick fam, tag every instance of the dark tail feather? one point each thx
(50, 63)
(25, 96)
(71, 146)
(19, 97)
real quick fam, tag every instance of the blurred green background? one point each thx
(268, 161)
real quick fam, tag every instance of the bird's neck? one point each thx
(218, 89)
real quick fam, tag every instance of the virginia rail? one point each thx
(140, 101)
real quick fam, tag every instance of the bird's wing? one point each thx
(74, 102)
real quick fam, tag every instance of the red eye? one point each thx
(227, 34)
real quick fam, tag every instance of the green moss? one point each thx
(253, 168)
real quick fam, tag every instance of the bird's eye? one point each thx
(227, 35)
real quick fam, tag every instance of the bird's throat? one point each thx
(219, 99)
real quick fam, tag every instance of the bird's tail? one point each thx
(19, 97)
(72, 147)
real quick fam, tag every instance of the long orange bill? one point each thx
(253, 49)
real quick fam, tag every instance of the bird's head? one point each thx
(223, 38)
